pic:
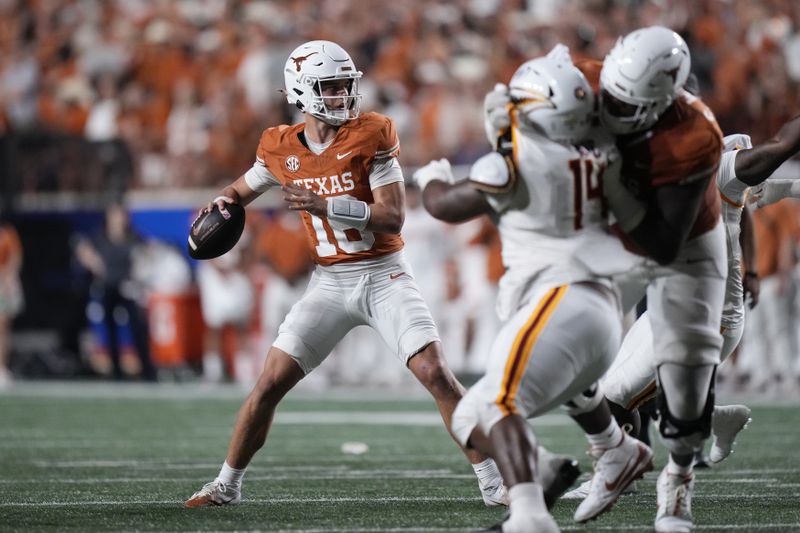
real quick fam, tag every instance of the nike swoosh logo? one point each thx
(342, 156)
(626, 474)
(395, 276)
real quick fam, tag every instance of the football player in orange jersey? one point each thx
(339, 169)
(666, 201)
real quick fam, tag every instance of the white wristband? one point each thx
(346, 213)
(226, 199)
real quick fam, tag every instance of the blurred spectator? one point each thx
(226, 299)
(281, 244)
(109, 256)
(11, 299)
(208, 75)
(766, 359)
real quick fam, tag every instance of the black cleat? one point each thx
(566, 475)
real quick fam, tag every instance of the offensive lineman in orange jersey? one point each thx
(667, 203)
(338, 168)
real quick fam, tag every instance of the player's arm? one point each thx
(485, 191)
(668, 221)
(385, 215)
(238, 192)
(454, 202)
(89, 258)
(662, 226)
(387, 212)
(747, 240)
(756, 164)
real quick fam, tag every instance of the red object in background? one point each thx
(176, 329)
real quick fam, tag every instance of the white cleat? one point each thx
(494, 493)
(674, 497)
(538, 523)
(614, 470)
(215, 493)
(582, 491)
(726, 423)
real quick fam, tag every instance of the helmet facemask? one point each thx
(335, 99)
(622, 117)
(321, 80)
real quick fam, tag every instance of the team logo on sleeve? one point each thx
(293, 163)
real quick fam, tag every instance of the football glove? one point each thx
(771, 191)
(495, 113)
(435, 170)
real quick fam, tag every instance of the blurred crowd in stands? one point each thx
(188, 85)
(173, 94)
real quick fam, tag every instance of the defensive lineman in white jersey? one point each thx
(561, 317)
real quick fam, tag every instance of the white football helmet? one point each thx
(641, 77)
(307, 70)
(551, 95)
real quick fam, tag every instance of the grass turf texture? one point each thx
(88, 457)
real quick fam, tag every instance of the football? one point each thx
(214, 233)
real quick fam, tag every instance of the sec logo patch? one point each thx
(293, 163)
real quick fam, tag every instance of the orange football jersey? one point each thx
(341, 170)
(684, 145)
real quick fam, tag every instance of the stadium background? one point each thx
(162, 103)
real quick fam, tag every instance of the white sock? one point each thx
(525, 499)
(487, 472)
(231, 476)
(676, 469)
(610, 437)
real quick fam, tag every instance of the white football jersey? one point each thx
(734, 195)
(551, 214)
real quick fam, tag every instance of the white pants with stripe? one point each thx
(550, 351)
(631, 380)
(380, 293)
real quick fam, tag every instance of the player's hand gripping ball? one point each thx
(215, 232)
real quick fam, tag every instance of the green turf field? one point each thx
(92, 457)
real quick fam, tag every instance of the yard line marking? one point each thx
(341, 475)
(751, 471)
(387, 418)
(365, 418)
(751, 480)
(386, 499)
(270, 463)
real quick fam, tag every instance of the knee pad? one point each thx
(685, 436)
(584, 402)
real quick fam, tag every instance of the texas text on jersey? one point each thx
(342, 170)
